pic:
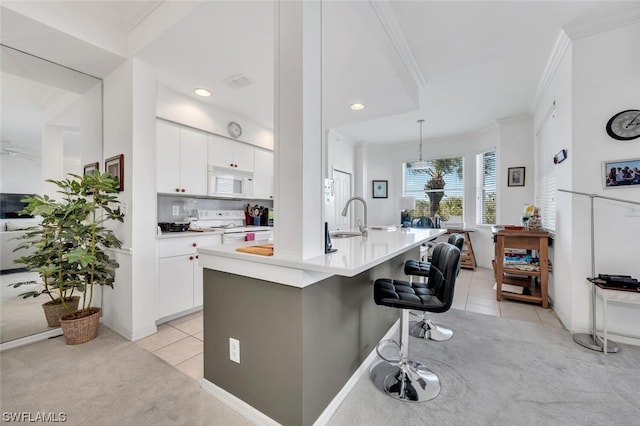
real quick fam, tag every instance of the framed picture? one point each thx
(92, 168)
(115, 167)
(515, 176)
(379, 188)
(621, 173)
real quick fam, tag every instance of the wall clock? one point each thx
(234, 129)
(624, 125)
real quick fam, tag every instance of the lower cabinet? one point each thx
(179, 275)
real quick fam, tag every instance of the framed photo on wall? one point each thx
(91, 168)
(515, 176)
(115, 167)
(621, 173)
(379, 188)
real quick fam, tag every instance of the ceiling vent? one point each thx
(238, 81)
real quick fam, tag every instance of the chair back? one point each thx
(457, 240)
(443, 274)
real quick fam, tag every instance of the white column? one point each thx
(299, 152)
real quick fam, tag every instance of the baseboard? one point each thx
(237, 404)
(330, 410)
(260, 418)
(56, 332)
(131, 336)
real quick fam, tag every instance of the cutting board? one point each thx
(262, 249)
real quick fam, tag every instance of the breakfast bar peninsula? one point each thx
(303, 326)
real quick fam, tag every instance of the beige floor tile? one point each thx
(193, 367)
(482, 309)
(181, 350)
(166, 335)
(192, 326)
(548, 317)
(199, 336)
(528, 315)
(486, 301)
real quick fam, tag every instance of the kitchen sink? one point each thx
(340, 234)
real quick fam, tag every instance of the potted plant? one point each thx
(70, 247)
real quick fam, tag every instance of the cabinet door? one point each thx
(244, 156)
(175, 284)
(263, 182)
(167, 157)
(193, 162)
(220, 151)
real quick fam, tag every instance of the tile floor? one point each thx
(179, 342)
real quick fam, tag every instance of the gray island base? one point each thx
(299, 345)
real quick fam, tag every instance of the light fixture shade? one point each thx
(420, 165)
(407, 203)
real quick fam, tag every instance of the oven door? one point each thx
(235, 237)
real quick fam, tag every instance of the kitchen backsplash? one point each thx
(186, 207)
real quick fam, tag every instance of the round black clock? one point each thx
(625, 125)
(234, 129)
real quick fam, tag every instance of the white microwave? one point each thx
(224, 182)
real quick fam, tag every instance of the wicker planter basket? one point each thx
(81, 330)
(53, 311)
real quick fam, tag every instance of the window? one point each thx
(438, 189)
(486, 187)
(545, 172)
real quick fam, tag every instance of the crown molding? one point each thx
(557, 54)
(388, 20)
(595, 24)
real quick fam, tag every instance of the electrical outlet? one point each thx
(175, 210)
(234, 350)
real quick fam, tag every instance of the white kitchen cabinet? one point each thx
(181, 157)
(263, 175)
(179, 275)
(228, 153)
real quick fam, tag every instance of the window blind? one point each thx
(486, 187)
(545, 172)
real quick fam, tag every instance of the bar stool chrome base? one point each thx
(427, 329)
(416, 384)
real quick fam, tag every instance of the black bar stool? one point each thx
(425, 327)
(396, 375)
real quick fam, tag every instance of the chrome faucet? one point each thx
(362, 227)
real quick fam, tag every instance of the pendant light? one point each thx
(420, 164)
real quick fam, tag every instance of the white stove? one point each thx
(232, 224)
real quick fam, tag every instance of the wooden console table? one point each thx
(467, 258)
(527, 240)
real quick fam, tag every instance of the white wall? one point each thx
(606, 80)
(182, 109)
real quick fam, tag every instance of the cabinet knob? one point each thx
(182, 190)
(177, 189)
(190, 257)
(197, 256)
(194, 244)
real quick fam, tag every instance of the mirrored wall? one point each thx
(51, 125)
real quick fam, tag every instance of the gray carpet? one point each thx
(497, 371)
(108, 381)
(494, 371)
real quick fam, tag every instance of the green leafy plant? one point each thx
(69, 249)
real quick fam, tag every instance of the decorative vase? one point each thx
(54, 309)
(80, 329)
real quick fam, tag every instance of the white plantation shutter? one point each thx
(486, 187)
(545, 172)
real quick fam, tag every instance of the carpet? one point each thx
(107, 381)
(496, 371)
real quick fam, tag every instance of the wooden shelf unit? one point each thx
(527, 240)
(468, 258)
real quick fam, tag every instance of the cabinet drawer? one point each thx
(186, 245)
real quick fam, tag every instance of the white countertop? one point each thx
(354, 255)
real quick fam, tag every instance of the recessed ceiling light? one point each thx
(357, 107)
(202, 92)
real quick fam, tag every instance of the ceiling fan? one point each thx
(9, 149)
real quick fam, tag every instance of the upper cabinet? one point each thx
(227, 153)
(181, 157)
(263, 176)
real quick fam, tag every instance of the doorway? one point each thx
(343, 193)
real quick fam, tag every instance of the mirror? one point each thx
(51, 125)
